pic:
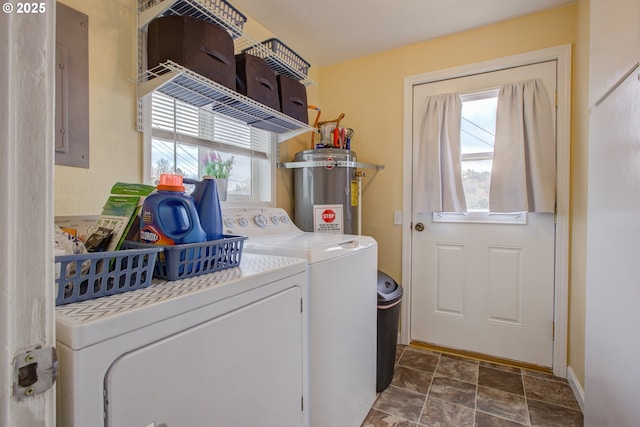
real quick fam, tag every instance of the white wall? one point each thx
(613, 231)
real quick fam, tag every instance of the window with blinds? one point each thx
(182, 135)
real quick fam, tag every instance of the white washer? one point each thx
(225, 349)
(342, 272)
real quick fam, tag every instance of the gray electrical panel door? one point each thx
(72, 87)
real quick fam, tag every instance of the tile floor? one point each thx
(439, 390)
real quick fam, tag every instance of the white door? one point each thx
(484, 287)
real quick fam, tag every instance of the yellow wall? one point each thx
(115, 145)
(369, 91)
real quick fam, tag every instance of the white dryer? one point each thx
(222, 349)
(342, 272)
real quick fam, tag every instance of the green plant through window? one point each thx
(216, 166)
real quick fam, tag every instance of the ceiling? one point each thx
(326, 32)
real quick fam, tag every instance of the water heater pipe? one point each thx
(359, 176)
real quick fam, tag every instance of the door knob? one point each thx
(419, 226)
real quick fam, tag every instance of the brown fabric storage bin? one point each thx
(257, 80)
(293, 98)
(198, 45)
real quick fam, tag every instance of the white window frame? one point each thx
(478, 217)
(263, 179)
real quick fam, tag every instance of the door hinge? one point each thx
(301, 305)
(34, 372)
(302, 403)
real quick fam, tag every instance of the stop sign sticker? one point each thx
(329, 164)
(328, 215)
(328, 219)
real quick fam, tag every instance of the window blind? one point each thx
(173, 120)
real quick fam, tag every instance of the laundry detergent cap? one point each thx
(171, 182)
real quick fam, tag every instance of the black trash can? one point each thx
(389, 297)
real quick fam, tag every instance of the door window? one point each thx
(477, 135)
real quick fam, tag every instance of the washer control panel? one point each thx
(255, 222)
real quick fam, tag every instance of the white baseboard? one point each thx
(575, 385)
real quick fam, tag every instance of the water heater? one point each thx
(326, 176)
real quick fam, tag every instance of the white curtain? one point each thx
(523, 177)
(439, 180)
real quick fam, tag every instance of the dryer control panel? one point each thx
(256, 222)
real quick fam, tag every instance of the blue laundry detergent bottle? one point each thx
(169, 216)
(207, 202)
